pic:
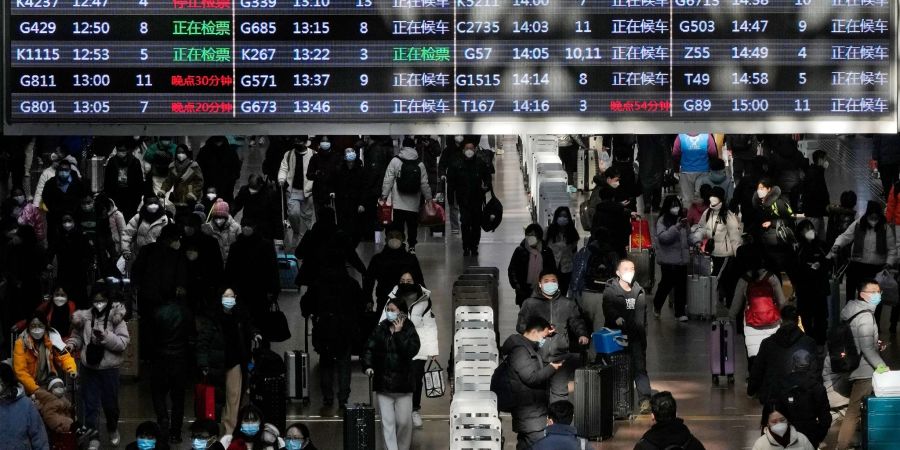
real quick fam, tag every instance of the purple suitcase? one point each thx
(721, 350)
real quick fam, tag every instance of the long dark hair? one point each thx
(568, 231)
(667, 217)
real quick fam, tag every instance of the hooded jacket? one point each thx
(111, 322)
(226, 235)
(558, 437)
(727, 235)
(529, 375)
(865, 334)
(422, 316)
(22, 427)
(56, 412)
(775, 361)
(668, 433)
(390, 356)
(405, 202)
(716, 178)
(123, 181)
(186, 183)
(562, 313)
(868, 254)
(798, 441)
(25, 360)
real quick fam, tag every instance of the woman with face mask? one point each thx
(349, 198)
(774, 212)
(721, 228)
(147, 436)
(101, 335)
(778, 434)
(387, 266)
(872, 247)
(185, 180)
(12, 207)
(529, 260)
(388, 360)
(144, 228)
(562, 239)
(222, 226)
(298, 438)
(58, 310)
(37, 359)
(22, 423)
(672, 253)
(813, 281)
(251, 429)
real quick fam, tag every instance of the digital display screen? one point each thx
(453, 62)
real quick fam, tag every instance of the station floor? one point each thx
(722, 417)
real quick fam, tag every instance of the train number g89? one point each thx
(697, 105)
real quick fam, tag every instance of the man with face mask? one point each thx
(568, 331)
(21, 422)
(471, 179)
(260, 206)
(52, 163)
(221, 166)
(349, 200)
(299, 190)
(323, 171)
(529, 260)
(625, 308)
(62, 195)
(872, 248)
(124, 178)
(405, 185)
(252, 271)
(386, 267)
(185, 180)
(450, 156)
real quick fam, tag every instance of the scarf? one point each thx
(299, 175)
(535, 265)
(783, 441)
(182, 168)
(43, 368)
(860, 237)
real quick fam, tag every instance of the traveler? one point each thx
(269, 438)
(569, 333)
(529, 260)
(672, 250)
(887, 159)
(57, 156)
(789, 165)
(743, 149)
(252, 271)
(840, 217)
(292, 178)
(562, 239)
(559, 434)
(722, 228)
(758, 296)
(252, 430)
(221, 166)
(115, 225)
(11, 208)
(324, 241)
(223, 352)
(700, 205)
(376, 156)
(745, 192)
(872, 248)
(172, 325)
(323, 171)
(803, 398)
(36, 359)
(625, 308)
(388, 359)
(774, 229)
(418, 301)
(405, 182)
(349, 196)
(837, 388)
(813, 283)
(814, 193)
(653, 159)
(22, 426)
(297, 437)
(205, 435)
(859, 315)
(101, 336)
(185, 180)
(471, 178)
(123, 179)
(716, 178)
(55, 407)
(667, 429)
(691, 154)
(387, 266)
(158, 271)
(144, 227)
(74, 257)
(22, 261)
(58, 310)
(568, 145)
(778, 433)
(612, 216)
(147, 436)
(62, 195)
(205, 268)
(529, 375)
(222, 226)
(94, 223)
(260, 205)
(775, 359)
(451, 154)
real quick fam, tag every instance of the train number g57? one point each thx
(37, 27)
(477, 53)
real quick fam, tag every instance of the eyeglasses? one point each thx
(870, 292)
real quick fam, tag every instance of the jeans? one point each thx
(168, 378)
(409, 220)
(301, 215)
(470, 222)
(418, 369)
(100, 387)
(328, 363)
(674, 277)
(396, 420)
(860, 390)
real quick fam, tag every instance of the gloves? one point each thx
(620, 321)
(370, 372)
(882, 369)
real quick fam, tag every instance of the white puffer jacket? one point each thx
(422, 316)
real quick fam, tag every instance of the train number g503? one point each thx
(697, 26)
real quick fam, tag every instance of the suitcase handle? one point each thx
(371, 397)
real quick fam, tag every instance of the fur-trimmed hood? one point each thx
(116, 315)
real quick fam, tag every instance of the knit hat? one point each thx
(53, 382)
(219, 208)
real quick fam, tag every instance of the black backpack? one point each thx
(410, 179)
(842, 351)
(491, 214)
(501, 384)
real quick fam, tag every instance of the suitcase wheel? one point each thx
(730, 379)
(715, 380)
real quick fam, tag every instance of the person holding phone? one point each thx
(388, 359)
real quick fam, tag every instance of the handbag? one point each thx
(890, 291)
(433, 380)
(276, 329)
(492, 214)
(385, 213)
(431, 214)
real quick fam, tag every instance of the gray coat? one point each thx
(405, 202)
(529, 375)
(869, 253)
(865, 333)
(562, 313)
(672, 247)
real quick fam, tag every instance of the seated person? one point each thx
(56, 410)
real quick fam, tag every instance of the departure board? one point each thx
(452, 62)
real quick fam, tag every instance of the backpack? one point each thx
(842, 351)
(410, 179)
(761, 308)
(501, 384)
(601, 267)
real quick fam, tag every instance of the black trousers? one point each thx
(470, 224)
(673, 277)
(813, 311)
(168, 380)
(418, 369)
(328, 364)
(409, 220)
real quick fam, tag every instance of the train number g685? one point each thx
(258, 28)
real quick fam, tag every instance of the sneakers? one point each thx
(683, 318)
(412, 250)
(114, 438)
(417, 419)
(645, 407)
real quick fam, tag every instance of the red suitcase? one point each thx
(640, 235)
(205, 401)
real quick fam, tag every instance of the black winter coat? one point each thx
(123, 181)
(615, 305)
(261, 208)
(809, 411)
(612, 224)
(376, 157)
(74, 256)
(59, 202)
(529, 375)
(322, 243)
(335, 302)
(386, 268)
(157, 271)
(349, 196)
(775, 361)
(812, 283)
(668, 433)
(172, 328)
(211, 341)
(562, 313)
(252, 271)
(429, 150)
(653, 156)
(323, 171)
(815, 195)
(221, 168)
(470, 179)
(390, 356)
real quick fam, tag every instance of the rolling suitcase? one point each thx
(359, 424)
(623, 384)
(594, 402)
(880, 423)
(721, 350)
(640, 251)
(95, 173)
(288, 267)
(268, 387)
(297, 373)
(699, 290)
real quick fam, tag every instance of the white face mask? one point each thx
(469, 153)
(825, 164)
(761, 193)
(253, 191)
(181, 156)
(532, 241)
(614, 184)
(325, 146)
(627, 277)
(714, 201)
(675, 210)
(100, 306)
(458, 139)
(394, 243)
(779, 428)
(152, 208)
(211, 195)
(219, 222)
(60, 300)
(37, 333)
(810, 235)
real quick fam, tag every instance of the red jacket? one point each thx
(893, 208)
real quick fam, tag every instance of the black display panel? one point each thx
(453, 62)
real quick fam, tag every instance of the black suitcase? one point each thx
(359, 424)
(623, 384)
(268, 387)
(594, 402)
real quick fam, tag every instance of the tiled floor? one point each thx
(722, 417)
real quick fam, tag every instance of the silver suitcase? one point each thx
(94, 173)
(297, 374)
(588, 164)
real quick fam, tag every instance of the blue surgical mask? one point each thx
(228, 302)
(550, 288)
(350, 156)
(250, 429)
(391, 315)
(293, 444)
(62, 174)
(562, 221)
(146, 444)
(198, 444)
(542, 342)
(325, 146)
(875, 298)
